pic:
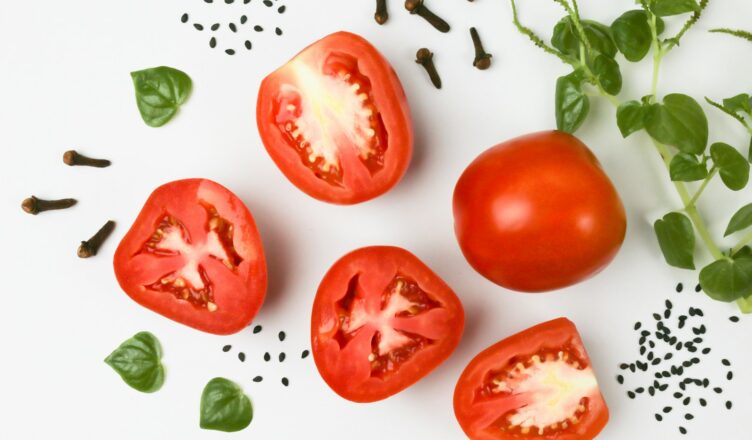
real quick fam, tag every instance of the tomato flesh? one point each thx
(381, 321)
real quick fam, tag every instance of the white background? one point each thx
(64, 84)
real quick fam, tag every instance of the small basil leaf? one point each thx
(665, 8)
(607, 71)
(566, 39)
(160, 91)
(679, 121)
(224, 406)
(728, 280)
(686, 168)
(632, 34)
(572, 105)
(741, 220)
(630, 117)
(138, 362)
(732, 166)
(745, 304)
(738, 103)
(676, 238)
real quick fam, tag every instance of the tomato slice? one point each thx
(195, 256)
(335, 120)
(381, 321)
(537, 384)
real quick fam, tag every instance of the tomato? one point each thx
(538, 213)
(537, 384)
(195, 256)
(335, 120)
(381, 321)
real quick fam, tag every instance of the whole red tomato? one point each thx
(538, 213)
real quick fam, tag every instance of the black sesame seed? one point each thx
(697, 340)
(726, 362)
(730, 375)
(706, 350)
(695, 360)
(229, 1)
(658, 417)
(208, 1)
(241, 356)
(230, 51)
(213, 42)
(663, 387)
(642, 365)
(226, 348)
(686, 401)
(650, 356)
(282, 357)
(666, 314)
(645, 333)
(233, 27)
(281, 336)
(703, 402)
(257, 329)
(656, 361)
(258, 28)
(651, 344)
(699, 312)
(691, 348)
(642, 340)
(637, 325)
(734, 318)
(243, 19)
(281, 9)
(630, 394)
(668, 356)
(698, 288)
(687, 364)
(678, 395)
(285, 381)
(728, 404)
(651, 391)
(267, 356)
(669, 305)
(184, 18)
(215, 26)
(666, 374)
(642, 350)
(683, 386)
(679, 287)
(656, 316)
(268, 3)
(705, 382)
(718, 390)
(245, 2)
(681, 324)
(673, 340)
(639, 390)
(306, 353)
(689, 416)
(682, 430)
(278, 31)
(698, 382)
(623, 366)
(656, 384)
(658, 375)
(620, 379)
(680, 371)
(667, 409)
(198, 26)
(248, 44)
(632, 368)
(679, 346)
(258, 379)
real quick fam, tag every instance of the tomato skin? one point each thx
(374, 266)
(551, 334)
(389, 98)
(238, 295)
(538, 213)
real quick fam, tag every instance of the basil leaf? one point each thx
(665, 8)
(741, 220)
(728, 280)
(676, 238)
(224, 406)
(572, 105)
(160, 91)
(686, 168)
(732, 166)
(680, 122)
(632, 34)
(630, 117)
(567, 40)
(138, 362)
(738, 103)
(607, 71)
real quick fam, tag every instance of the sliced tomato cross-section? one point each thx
(335, 120)
(381, 321)
(195, 256)
(537, 384)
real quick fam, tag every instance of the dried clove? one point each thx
(73, 158)
(34, 206)
(482, 59)
(424, 57)
(90, 247)
(417, 7)
(381, 15)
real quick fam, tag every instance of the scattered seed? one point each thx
(686, 401)
(258, 379)
(651, 391)
(728, 404)
(278, 31)
(233, 27)
(658, 417)
(703, 402)
(268, 3)
(730, 375)
(706, 350)
(726, 362)
(651, 344)
(241, 356)
(282, 357)
(619, 378)
(306, 353)
(258, 28)
(679, 346)
(213, 42)
(184, 18)
(281, 336)
(667, 409)
(645, 333)
(639, 390)
(669, 304)
(623, 366)
(698, 288)
(198, 26)
(230, 51)
(718, 390)
(257, 329)
(695, 360)
(656, 361)
(656, 316)
(282, 9)
(668, 356)
(285, 381)
(243, 19)
(637, 325)
(631, 394)
(689, 416)
(215, 26)
(248, 44)
(666, 314)
(734, 318)
(642, 340)
(683, 430)
(679, 287)
(642, 350)
(678, 395)
(226, 348)
(229, 1)
(267, 357)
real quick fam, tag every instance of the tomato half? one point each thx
(381, 321)
(335, 120)
(537, 384)
(195, 256)
(538, 213)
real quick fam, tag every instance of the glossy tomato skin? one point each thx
(201, 221)
(344, 362)
(477, 416)
(387, 100)
(538, 213)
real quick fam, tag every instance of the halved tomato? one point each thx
(195, 256)
(381, 321)
(537, 384)
(335, 120)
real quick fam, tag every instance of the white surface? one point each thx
(64, 83)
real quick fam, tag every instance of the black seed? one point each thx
(679, 346)
(656, 361)
(650, 356)
(651, 344)
(226, 348)
(243, 19)
(718, 390)
(730, 375)
(281, 336)
(282, 357)
(691, 311)
(705, 382)
(706, 350)
(697, 340)
(651, 391)
(632, 368)
(229, 1)
(703, 402)
(623, 366)
(691, 348)
(230, 51)
(198, 26)
(666, 314)
(267, 356)
(663, 387)
(278, 31)
(698, 382)
(668, 356)
(306, 353)
(248, 44)
(656, 316)
(631, 394)
(686, 401)
(642, 365)
(683, 386)
(728, 404)
(637, 325)
(645, 333)
(681, 324)
(682, 430)
(257, 329)
(258, 379)
(689, 416)
(241, 356)
(669, 305)
(658, 417)
(639, 390)
(726, 362)
(268, 3)
(658, 375)
(678, 395)
(680, 371)
(642, 340)
(656, 384)
(213, 42)
(734, 318)
(281, 9)
(258, 28)
(215, 26)
(245, 2)
(233, 27)
(184, 18)
(620, 379)
(667, 409)
(208, 1)
(695, 360)
(687, 364)
(642, 350)
(699, 312)
(285, 381)
(672, 341)
(698, 288)
(666, 374)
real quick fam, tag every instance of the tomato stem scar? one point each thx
(482, 59)
(90, 247)
(34, 206)
(424, 57)
(417, 7)
(73, 158)
(381, 14)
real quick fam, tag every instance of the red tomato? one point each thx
(335, 120)
(537, 384)
(381, 321)
(538, 213)
(195, 256)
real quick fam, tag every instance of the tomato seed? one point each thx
(226, 348)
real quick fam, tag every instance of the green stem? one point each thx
(702, 187)
(535, 38)
(657, 54)
(747, 239)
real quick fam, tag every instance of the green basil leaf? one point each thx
(630, 117)
(745, 304)
(572, 105)
(738, 103)
(680, 122)
(160, 91)
(607, 71)
(732, 166)
(138, 362)
(224, 406)
(686, 168)
(676, 238)
(632, 34)
(566, 39)
(728, 280)
(741, 220)
(665, 8)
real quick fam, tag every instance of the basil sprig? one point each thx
(224, 406)
(160, 91)
(138, 362)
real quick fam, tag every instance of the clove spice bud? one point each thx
(73, 158)
(424, 57)
(381, 14)
(482, 59)
(90, 247)
(34, 206)
(417, 7)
